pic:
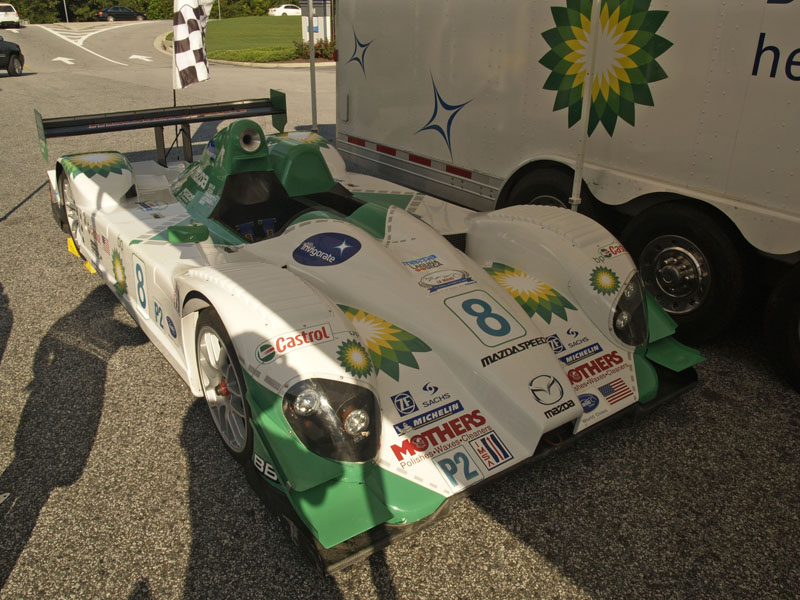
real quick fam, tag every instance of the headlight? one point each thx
(334, 419)
(629, 319)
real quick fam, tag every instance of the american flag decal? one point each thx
(491, 450)
(189, 42)
(615, 391)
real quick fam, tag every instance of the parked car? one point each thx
(8, 16)
(119, 13)
(284, 9)
(11, 57)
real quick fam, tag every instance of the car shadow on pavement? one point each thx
(6, 322)
(239, 548)
(59, 422)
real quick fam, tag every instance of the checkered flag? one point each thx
(189, 42)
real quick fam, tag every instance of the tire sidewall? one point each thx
(726, 259)
(14, 66)
(209, 318)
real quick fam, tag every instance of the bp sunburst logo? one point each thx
(354, 358)
(388, 345)
(99, 163)
(120, 282)
(604, 281)
(625, 59)
(532, 294)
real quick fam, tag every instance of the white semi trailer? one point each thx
(688, 146)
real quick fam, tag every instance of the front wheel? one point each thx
(14, 66)
(72, 225)
(223, 385)
(782, 326)
(692, 266)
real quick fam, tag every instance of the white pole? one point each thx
(314, 127)
(588, 84)
(66, 15)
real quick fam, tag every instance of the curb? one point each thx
(162, 44)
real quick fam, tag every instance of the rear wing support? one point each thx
(158, 118)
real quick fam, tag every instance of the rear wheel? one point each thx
(782, 326)
(549, 186)
(692, 266)
(109, 18)
(223, 385)
(72, 225)
(14, 66)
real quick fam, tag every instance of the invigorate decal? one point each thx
(388, 345)
(326, 249)
(625, 59)
(533, 295)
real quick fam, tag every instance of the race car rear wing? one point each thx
(158, 118)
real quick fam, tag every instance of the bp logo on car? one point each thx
(625, 59)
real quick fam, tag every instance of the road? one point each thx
(113, 483)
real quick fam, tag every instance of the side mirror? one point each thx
(187, 234)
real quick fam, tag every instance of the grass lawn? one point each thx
(252, 32)
(253, 39)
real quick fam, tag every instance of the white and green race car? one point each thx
(368, 352)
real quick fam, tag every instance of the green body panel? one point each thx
(302, 469)
(182, 234)
(300, 167)
(336, 500)
(371, 218)
(407, 501)
(659, 323)
(338, 511)
(670, 353)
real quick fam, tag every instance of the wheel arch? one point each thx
(193, 303)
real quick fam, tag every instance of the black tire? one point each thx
(14, 66)
(782, 326)
(70, 226)
(220, 372)
(548, 186)
(692, 265)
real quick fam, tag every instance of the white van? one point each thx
(8, 16)
(688, 147)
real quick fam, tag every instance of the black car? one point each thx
(11, 57)
(118, 13)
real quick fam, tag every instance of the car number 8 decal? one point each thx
(141, 286)
(485, 317)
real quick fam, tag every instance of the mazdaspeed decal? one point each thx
(625, 59)
(326, 249)
(388, 345)
(604, 281)
(354, 359)
(100, 163)
(120, 283)
(532, 294)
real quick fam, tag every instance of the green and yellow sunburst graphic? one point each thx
(604, 281)
(625, 63)
(388, 345)
(533, 295)
(354, 359)
(100, 163)
(120, 284)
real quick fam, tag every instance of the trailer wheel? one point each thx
(692, 266)
(548, 186)
(782, 326)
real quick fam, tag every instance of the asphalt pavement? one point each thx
(113, 483)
